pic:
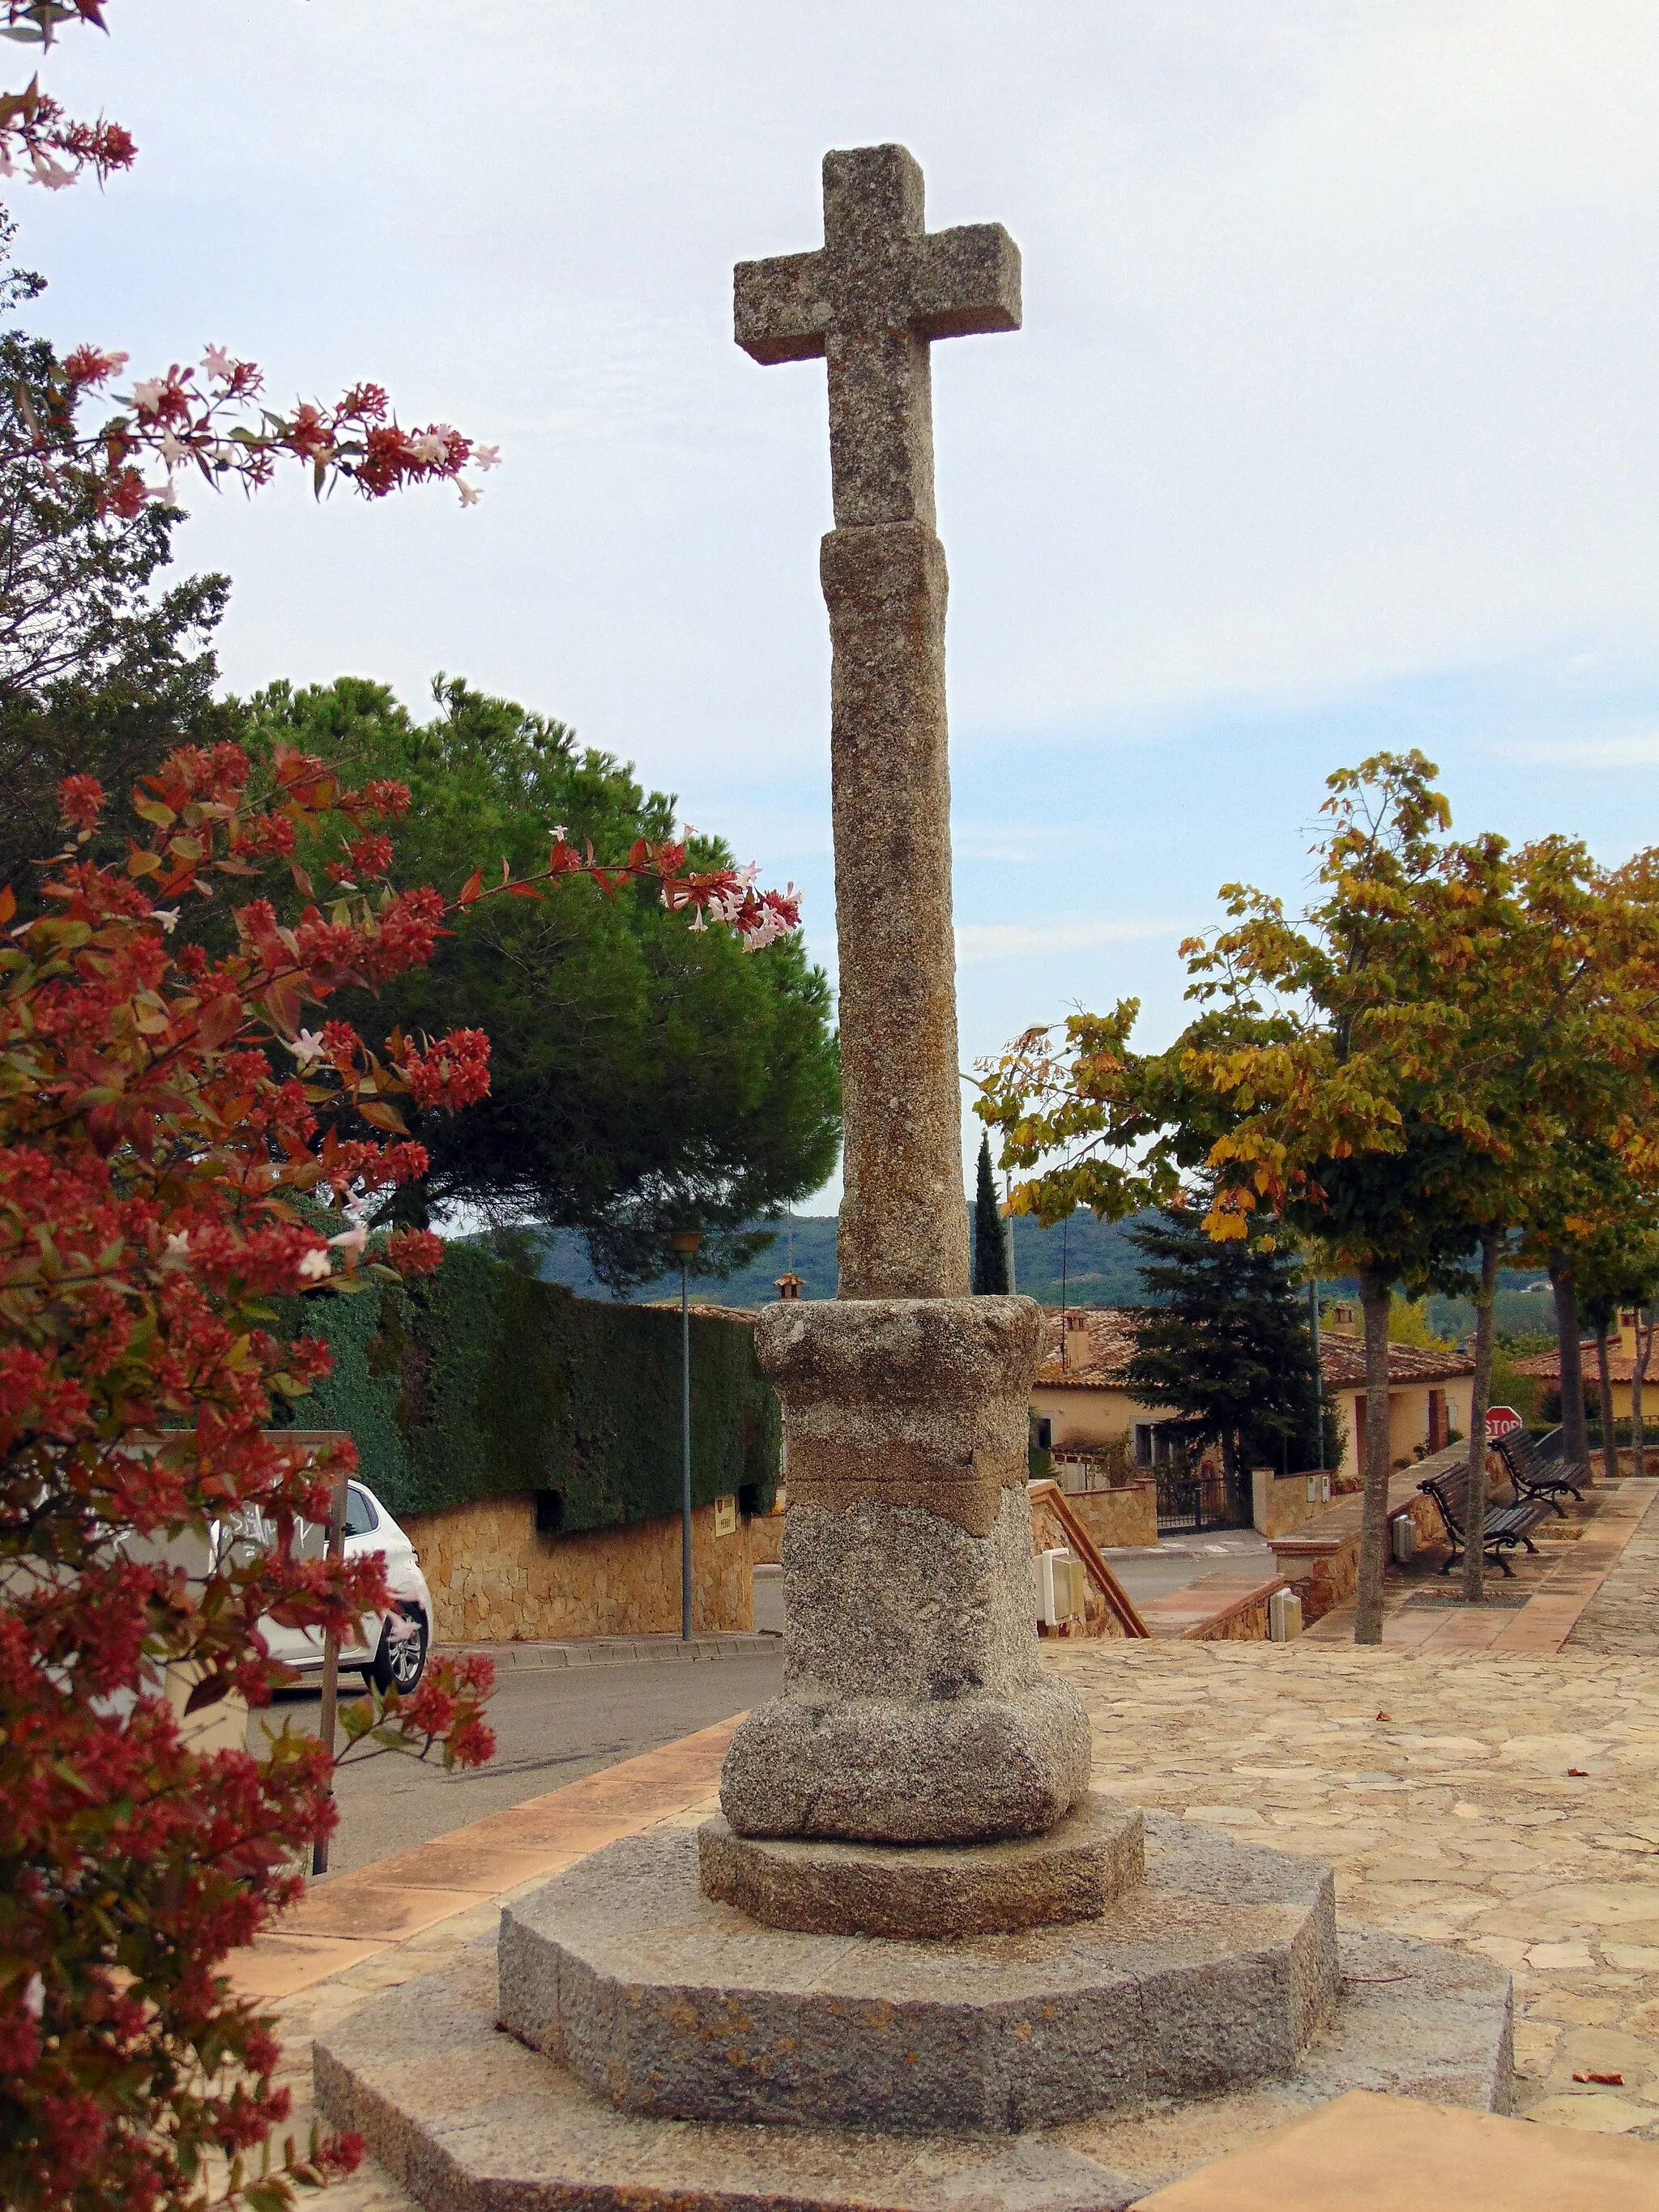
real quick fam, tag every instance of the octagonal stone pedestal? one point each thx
(1063, 2069)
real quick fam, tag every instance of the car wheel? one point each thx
(399, 1666)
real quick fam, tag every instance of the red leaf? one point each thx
(382, 1116)
(8, 905)
(470, 887)
(524, 891)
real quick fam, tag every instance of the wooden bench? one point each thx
(1506, 1525)
(1539, 1473)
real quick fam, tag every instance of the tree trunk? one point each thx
(1374, 1291)
(1609, 1436)
(1474, 1534)
(1638, 1374)
(1574, 1447)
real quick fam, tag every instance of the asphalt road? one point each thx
(553, 1725)
(1146, 1573)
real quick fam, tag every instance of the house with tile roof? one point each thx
(1082, 1390)
(1621, 1365)
(1430, 1393)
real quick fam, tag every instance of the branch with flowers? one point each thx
(176, 1147)
(218, 425)
(37, 139)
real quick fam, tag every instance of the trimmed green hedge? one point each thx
(481, 1383)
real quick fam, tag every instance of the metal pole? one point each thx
(326, 1719)
(685, 1456)
(1319, 1375)
(1008, 1193)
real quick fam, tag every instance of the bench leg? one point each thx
(1556, 1506)
(1530, 1545)
(1455, 1556)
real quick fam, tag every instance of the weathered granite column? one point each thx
(870, 301)
(915, 1709)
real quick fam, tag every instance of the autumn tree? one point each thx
(1317, 1081)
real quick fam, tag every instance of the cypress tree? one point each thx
(990, 1253)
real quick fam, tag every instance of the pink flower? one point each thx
(218, 362)
(487, 457)
(470, 496)
(351, 1240)
(147, 396)
(315, 1266)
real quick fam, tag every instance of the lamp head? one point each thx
(685, 1242)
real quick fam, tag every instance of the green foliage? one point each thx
(1228, 1346)
(1523, 1392)
(990, 1252)
(643, 1074)
(1409, 1324)
(101, 672)
(481, 1381)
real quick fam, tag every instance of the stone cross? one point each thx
(871, 300)
(915, 1709)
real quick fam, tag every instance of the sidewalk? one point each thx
(1539, 1627)
(450, 1888)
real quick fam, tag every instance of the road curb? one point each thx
(619, 1651)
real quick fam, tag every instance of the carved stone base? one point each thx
(466, 2118)
(1215, 1969)
(915, 1707)
(1075, 1872)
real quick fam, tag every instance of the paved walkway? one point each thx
(1503, 1799)
(1577, 1557)
(1624, 1614)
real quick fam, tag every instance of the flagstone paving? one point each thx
(1504, 1805)
(1624, 1614)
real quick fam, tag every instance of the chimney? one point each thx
(788, 1284)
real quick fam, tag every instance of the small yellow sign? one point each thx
(726, 1516)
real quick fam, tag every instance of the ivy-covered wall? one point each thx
(481, 1383)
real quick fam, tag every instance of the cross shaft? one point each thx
(870, 300)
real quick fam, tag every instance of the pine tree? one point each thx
(990, 1253)
(1229, 1347)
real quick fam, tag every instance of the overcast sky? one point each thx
(1332, 424)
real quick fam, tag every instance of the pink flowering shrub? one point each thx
(178, 1131)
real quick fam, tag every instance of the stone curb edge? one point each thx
(618, 1651)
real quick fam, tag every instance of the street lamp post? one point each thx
(685, 1242)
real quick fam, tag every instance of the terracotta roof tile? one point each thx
(1546, 1366)
(1342, 1364)
(1100, 1342)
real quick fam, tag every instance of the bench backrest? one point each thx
(1452, 1490)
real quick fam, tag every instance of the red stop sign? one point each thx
(1501, 1419)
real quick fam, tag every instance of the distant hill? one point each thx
(1100, 1265)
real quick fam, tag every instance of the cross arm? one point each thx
(966, 280)
(781, 308)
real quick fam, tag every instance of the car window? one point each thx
(360, 1516)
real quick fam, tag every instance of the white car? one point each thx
(392, 1646)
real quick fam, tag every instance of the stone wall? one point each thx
(1115, 1517)
(1321, 1560)
(1049, 1534)
(495, 1580)
(766, 1538)
(1281, 1503)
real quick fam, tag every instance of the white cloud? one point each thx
(1337, 364)
(1628, 749)
(978, 943)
